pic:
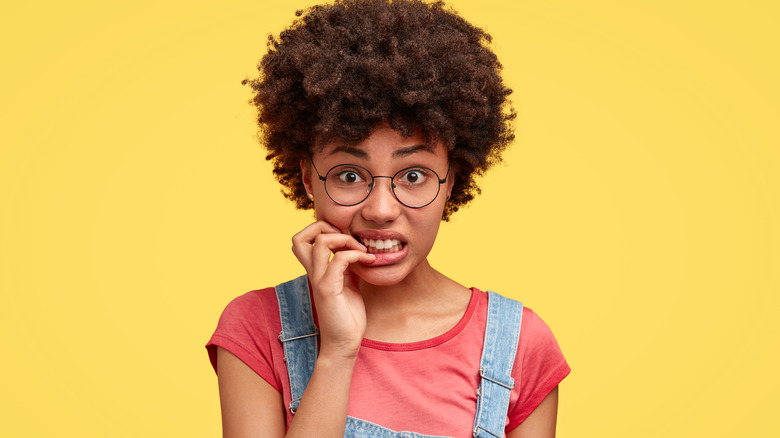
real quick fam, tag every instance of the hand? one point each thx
(336, 290)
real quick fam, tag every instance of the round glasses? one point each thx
(350, 184)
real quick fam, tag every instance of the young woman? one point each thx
(379, 115)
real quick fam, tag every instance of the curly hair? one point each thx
(340, 70)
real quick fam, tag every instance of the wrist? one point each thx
(338, 355)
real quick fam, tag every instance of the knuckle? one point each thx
(320, 239)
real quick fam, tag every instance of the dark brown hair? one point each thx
(342, 69)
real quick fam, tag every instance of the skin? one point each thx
(390, 298)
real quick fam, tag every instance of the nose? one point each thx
(381, 206)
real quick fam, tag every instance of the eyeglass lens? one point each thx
(351, 184)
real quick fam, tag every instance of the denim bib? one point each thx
(502, 332)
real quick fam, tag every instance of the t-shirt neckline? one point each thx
(432, 342)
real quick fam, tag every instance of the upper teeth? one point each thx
(380, 244)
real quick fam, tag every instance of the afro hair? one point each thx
(342, 69)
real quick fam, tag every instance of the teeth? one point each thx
(387, 245)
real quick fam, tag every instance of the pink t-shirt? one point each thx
(428, 387)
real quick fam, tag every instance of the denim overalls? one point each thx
(502, 331)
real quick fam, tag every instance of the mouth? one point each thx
(381, 246)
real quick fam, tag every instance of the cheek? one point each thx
(433, 230)
(338, 216)
(428, 226)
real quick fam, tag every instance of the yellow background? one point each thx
(637, 212)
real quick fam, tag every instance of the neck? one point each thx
(421, 286)
(424, 305)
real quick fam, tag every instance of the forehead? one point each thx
(384, 143)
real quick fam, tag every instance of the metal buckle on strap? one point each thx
(283, 339)
(482, 374)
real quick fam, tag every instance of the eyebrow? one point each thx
(403, 152)
(356, 152)
(400, 153)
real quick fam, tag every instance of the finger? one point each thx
(327, 244)
(303, 240)
(334, 272)
(306, 236)
(311, 231)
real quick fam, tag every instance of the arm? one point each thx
(326, 253)
(252, 407)
(541, 422)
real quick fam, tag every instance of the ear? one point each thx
(306, 178)
(450, 182)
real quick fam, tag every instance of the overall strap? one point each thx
(502, 333)
(298, 335)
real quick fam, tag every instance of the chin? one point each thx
(380, 275)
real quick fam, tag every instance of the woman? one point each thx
(379, 115)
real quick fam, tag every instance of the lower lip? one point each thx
(389, 258)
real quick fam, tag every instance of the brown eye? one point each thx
(413, 177)
(349, 177)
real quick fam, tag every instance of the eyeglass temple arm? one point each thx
(446, 175)
(322, 178)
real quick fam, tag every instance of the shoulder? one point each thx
(253, 308)
(535, 335)
(539, 367)
(534, 332)
(537, 348)
(249, 328)
(539, 364)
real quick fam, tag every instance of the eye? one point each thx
(413, 177)
(349, 176)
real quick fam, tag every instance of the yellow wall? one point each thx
(638, 211)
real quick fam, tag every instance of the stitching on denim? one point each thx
(500, 311)
(289, 296)
(357, 425)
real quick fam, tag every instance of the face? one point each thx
(408, 232)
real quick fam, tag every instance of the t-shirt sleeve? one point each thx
(539, 368)
(248, 327)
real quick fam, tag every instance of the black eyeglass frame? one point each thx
(324, 180)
